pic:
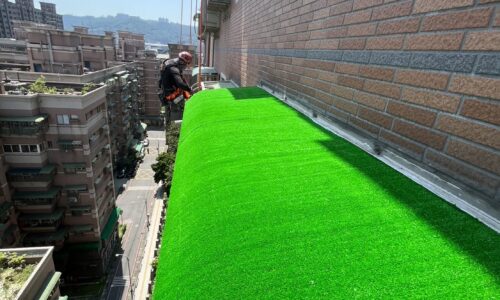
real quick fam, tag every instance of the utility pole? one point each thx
(190, 24)
(182, 12)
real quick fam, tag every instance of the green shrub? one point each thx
(40, 87)
(88, 87)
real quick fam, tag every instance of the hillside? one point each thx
(161, 31)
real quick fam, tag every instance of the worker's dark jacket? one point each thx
(171, 77)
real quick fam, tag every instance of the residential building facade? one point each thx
(58, 152)
(417, 76)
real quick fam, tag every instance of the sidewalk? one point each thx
(142, 290)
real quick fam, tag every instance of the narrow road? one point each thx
(136, 202)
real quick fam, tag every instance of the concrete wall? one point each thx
(421, 76)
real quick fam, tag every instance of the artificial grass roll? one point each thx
(267, 205)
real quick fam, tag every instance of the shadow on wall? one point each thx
(474, 238)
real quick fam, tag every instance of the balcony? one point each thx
(218, 5)
(73, 192)
(48, 222)
(56, 238)
(26, 126)
(38, 201)
(31, 177)
(69, 145)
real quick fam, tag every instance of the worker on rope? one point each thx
(174, 87)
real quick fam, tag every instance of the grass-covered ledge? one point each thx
(266, 204)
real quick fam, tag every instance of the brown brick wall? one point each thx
(422, 76)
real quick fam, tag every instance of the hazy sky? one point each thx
(146, 9)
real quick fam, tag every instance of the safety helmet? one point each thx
(186, 57)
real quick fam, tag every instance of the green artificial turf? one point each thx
(267, 205)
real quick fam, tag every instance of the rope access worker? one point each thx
(174, 86)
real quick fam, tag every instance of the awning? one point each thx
(74, 166)
(77, 188)
(132, 143)
(49, 285)
(80, 228)
(110, 225)
(28, 119)
(37, 195)
(56, 215)
(47, 170)
(59, 235)
(138, 147)
(65, 142)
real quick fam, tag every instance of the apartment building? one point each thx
(43, 283)
(420, 77)
(13, 55)
(58, 152)
(24, 10)
(66, 52)
(130, 44)
(149, 74)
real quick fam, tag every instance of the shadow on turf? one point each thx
(471, 236)
(249, 93)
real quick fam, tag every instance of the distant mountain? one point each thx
(161, 31)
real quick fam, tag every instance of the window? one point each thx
(16, 148)
(42, 147)
(34, 148)
(74, 117)
(7, 148)
(25, 148)
(63, 119)
(49, 144)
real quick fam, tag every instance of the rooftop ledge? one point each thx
(265, 203)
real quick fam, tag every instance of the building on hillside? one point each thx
(24, 10)
(399, 72)
(43, 283)
(58, 150)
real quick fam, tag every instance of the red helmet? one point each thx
(186, 57)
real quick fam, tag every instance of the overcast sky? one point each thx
(146, 9)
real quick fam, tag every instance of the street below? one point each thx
(136, 201)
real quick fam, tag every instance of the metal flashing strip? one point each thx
(463, 200)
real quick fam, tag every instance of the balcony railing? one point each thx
(31, 125)
(36, 200)
(31, 177)
(41, 222)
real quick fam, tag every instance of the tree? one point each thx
(164, 167)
